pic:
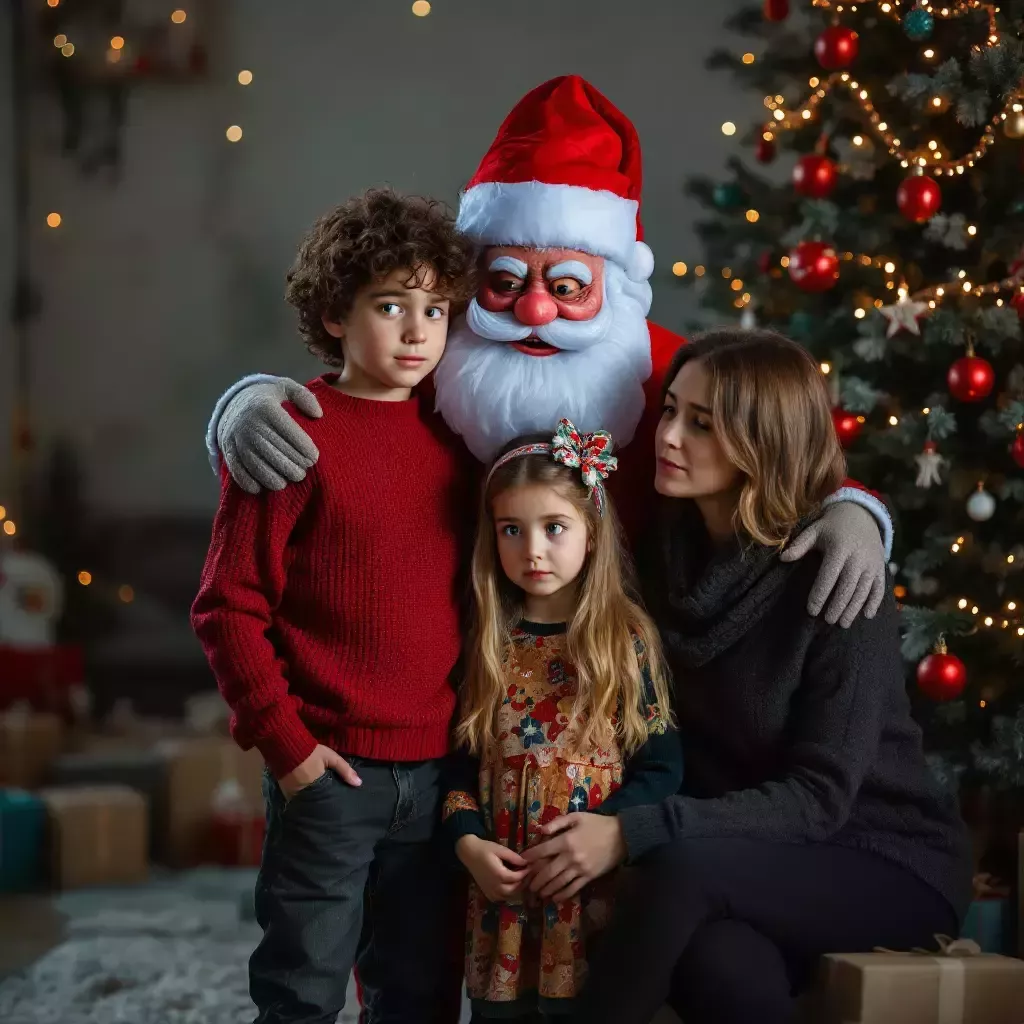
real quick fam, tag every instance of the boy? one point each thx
(329, 614)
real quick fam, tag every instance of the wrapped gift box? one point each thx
(144, 770)
(196, 769)
(98, 835)
(22, 837)
(919, 988)
(29, 744)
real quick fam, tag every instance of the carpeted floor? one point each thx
(174, 951)
(171, 952)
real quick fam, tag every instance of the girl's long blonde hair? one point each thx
(610, 701)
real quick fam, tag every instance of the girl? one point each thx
(564, 710)
(809, 822)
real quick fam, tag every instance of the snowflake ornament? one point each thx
(949, 230)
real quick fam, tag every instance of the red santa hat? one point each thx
(562, 172)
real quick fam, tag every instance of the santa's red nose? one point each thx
(535, 308)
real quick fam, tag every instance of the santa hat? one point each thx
(563, 172)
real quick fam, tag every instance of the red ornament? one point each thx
(971, 378)
(941, 675)
(776, 10)
(1017, 302)
(836, 47)
(1017, 449)
(814, 266)
(848, 426)
(919, 198)
(815, 176)
(765, 150)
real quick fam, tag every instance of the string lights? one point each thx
(949, 9)
(929, 156)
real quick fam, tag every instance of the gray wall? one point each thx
(162, 290)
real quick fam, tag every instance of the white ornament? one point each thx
(903, 316)
(950, 231)
(981, 506)
(748, 319)
(31, 599)
(925, 586)
(929, 465)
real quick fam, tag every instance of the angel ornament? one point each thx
(929, 465)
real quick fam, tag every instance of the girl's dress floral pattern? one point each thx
(535, 950)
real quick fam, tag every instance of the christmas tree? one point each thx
(888, 238)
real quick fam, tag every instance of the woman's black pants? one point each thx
(729, 930)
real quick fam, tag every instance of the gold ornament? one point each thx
(1013, 126)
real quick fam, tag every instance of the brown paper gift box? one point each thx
(99, 835)
(195, 769)
(917, 988)
(29, 744)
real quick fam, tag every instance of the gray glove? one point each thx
(261, 444)
(853, 563)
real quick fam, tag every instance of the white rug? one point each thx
(174, 952)
(134, 967)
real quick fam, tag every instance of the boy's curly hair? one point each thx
(366, 238)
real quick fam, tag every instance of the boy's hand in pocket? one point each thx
(321, 760)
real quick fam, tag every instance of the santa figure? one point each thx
(557, 328)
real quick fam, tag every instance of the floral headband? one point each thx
(589, 453)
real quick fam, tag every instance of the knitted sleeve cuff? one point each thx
(284, 741)
(212, 451)
(874, 505)
(643, 828)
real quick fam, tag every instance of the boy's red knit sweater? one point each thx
(329, 610)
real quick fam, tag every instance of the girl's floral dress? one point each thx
(531, 954)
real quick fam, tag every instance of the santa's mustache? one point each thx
(571, 335)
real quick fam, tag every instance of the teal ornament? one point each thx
(728, 196)
(918, 25)
(801, 326)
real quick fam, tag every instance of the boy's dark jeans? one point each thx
(355, 875)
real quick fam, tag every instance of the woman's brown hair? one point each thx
(602, 635)
(771, 413)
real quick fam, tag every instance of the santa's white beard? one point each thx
(491, 393)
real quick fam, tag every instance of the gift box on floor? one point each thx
(30, 742)
(22, 836)
(958, 985)
(98, 835)
(140, 769)
(195, 770)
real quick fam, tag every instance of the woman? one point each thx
(808, 821)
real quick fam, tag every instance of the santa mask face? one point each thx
(551, 333)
